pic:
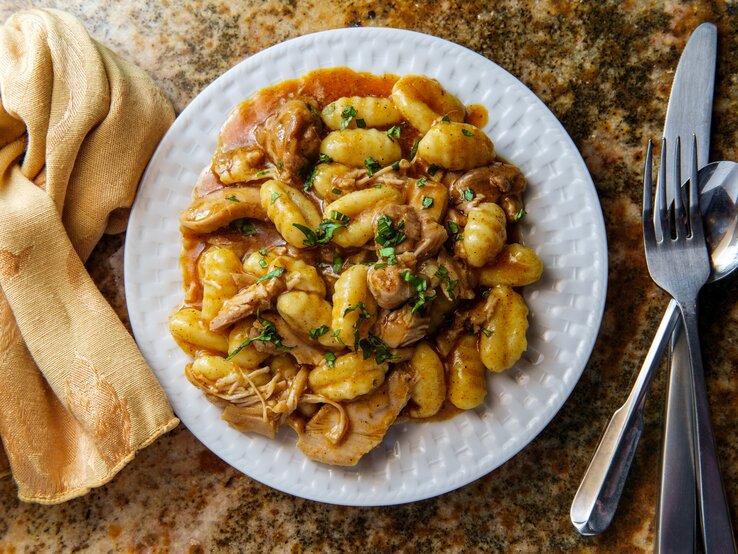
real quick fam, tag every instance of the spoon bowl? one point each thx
(718, 184)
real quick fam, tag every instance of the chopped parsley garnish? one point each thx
(420, 285)
(387, 252)
(318, 332)
(446, 119)
(467, 133)
(263, 251)
(443, 275)
(348, 113)
(268, 334)
(323, 235)
(245, 227)
(487, 332)
(232, 198)
(274, 197)
(280, 165)
(520, 215)
(485, 293)
(338, 216)
(337, 191)
(387, 233)
(374, 345)
(427, 202)
(363, 315)
(360, 123)
(271, 275)
(263, 263)
(330, 359)
(421, 182)
(469, 195)
(337, 263)
(394, 133)
(337, 335)
(454, 228)
(396, 165)
(414, 149)
(433, 169)
(263, 172)
(372, 166)
(329, 109)
(312, 109)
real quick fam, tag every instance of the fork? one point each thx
(677, 257)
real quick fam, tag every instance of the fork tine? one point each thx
(680, 216)
(648, 229)
(661, 216)
(695, 214)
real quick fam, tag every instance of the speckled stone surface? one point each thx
(605, 69)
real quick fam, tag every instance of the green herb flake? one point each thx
(330, 359)
(372, 166)
(455, 234)
(263, 172)
(433, 169)
(394, 133)
(396, 165)
(451, 284)
(329, 109)
(337, 264)
(387, 252)
(312, 109)
(421, 182)
(520, 215)
(263, 251)
(263, 263)
(318, 332)
(348, 113)
(245, 227)
(374, 345)
(487, 332)
(467, 133)
(360, 123)
(338, 216)
(271, 275)
(420, 285)
(268, 334)
(324, 159)
(414, 149)
(232, 198)
(387, 233)
(274, 197)
(485, 293)
(446, 119)
(280, 165)
(337, 191)
(427, 202)
(323, 235)
(469, 195)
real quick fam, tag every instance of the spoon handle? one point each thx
(597, 499)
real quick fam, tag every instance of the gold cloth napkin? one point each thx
(77, 127)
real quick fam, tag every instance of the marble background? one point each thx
(605, 69)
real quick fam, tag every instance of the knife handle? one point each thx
(676, 510)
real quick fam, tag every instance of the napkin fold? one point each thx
(77, 127)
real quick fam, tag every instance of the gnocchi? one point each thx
(351, 252)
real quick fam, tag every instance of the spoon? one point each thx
(597, 499)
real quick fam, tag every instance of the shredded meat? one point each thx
(218, 209)
(487, 184)
(401, 327)
(458, 272)
(405, 219)
(258, 296)
(291, 137)
(250, 419)
(303, 352)
(387, 284)
(369, 418)
(433, 237)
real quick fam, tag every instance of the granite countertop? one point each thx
(605, 70)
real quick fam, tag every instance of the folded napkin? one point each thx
(77, 127)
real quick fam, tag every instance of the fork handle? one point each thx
(717, 531)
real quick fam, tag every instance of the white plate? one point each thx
(564, 225)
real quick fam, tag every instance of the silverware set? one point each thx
(690, 238)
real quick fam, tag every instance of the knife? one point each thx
(689, 112)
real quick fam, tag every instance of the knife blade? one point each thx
(689, 112)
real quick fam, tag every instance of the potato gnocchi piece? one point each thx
(189, 328)
(374, 111)
(216, 268)
(360, 207)
(504, 341)
(219, 208)
(515, 266)
(247, 357)
(304, 311)
(239, 165)
(467, 384)
(354, 308)
(285, 206)
(284, 364)
(429, 386)
(324, 180)
(456, 146)
(350, 376)
(422, 101)
(485, 234)
(353, 147)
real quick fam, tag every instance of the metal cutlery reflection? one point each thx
(678, 262)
